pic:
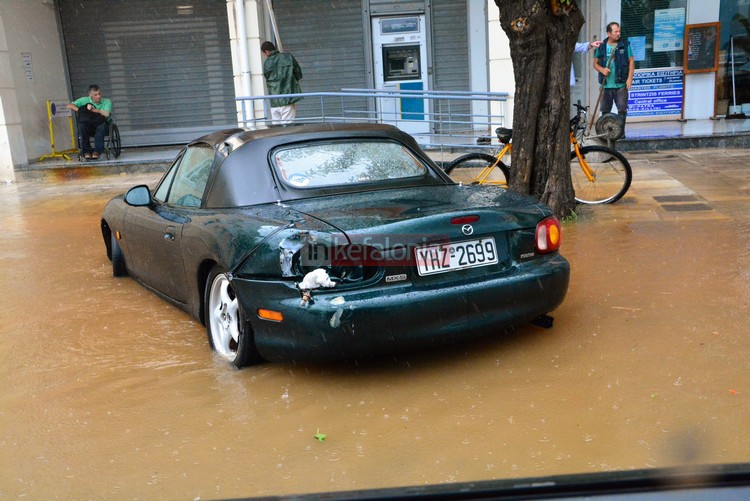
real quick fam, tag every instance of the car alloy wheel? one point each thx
(224, 318)
(229, 331)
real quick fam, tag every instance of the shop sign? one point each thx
(656, 93)
(394, 25)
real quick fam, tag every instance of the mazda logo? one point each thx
(467, 229)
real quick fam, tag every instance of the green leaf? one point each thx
(320, 436)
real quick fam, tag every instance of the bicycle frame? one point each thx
(578, 129)
(482, 177)
(587, 170)
(607, 175)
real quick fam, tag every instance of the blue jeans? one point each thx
(618, 97)
(98, 131)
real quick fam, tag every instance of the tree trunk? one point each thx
(542, 37)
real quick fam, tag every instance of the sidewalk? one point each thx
(700, 184)
(645, 136)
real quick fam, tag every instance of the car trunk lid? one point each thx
(422, 234)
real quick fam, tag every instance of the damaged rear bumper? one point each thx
(340, 324)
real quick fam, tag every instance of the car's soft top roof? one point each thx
(234, 138)
(245, 176)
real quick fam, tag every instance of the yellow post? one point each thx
(73, 146)
(51, 113)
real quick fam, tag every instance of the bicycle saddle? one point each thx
(503, 134)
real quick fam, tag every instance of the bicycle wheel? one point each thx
(611, 171)
(480, 161)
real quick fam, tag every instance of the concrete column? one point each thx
(12, 147)
(478, 56)
(700, 88)
(501, 64)
(249, 48)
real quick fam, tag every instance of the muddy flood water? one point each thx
(111, 393)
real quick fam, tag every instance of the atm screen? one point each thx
(401, 62)
(396, 64)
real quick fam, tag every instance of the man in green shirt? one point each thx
(94, 115)
(282, 73)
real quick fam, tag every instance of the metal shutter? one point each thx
(450, 33)
(450, 51)
(327, 39)
(166, 66)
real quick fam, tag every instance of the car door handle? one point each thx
(169, 233)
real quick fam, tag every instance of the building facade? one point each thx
(173, 68)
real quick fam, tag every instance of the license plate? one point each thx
(455, 256)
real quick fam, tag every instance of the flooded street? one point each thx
(111, 393)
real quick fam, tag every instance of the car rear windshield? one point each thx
(338, 163)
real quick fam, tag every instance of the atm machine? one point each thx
(400, 61)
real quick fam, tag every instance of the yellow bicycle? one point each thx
(600, 174)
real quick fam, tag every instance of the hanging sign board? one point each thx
(701, 48)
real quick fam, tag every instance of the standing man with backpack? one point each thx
(615, 63)
(282, 73)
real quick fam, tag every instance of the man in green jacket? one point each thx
(282, 73)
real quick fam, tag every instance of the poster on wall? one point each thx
(638, 44)
(28, 68)
(669, 29)
(656, 93)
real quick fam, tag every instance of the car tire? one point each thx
(228, 330)
(118, 258)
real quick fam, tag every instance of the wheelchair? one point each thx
(112, 144)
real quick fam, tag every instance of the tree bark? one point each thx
(542, 35)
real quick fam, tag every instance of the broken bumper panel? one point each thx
(340, 324)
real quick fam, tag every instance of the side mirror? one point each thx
(138, 196)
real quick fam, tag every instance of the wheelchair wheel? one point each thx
(114, 144)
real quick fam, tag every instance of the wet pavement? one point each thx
(109, 392)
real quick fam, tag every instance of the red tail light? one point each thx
(548, 235)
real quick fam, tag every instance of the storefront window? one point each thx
(734, 86)
(655, 30)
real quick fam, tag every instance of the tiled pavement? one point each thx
(708, 183)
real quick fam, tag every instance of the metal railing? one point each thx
(436, 119)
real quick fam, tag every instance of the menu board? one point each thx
(701, 48)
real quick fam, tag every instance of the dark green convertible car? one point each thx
(331, 241)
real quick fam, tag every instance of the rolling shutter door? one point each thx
(166, 65)
(450, 50)
(327, 40)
